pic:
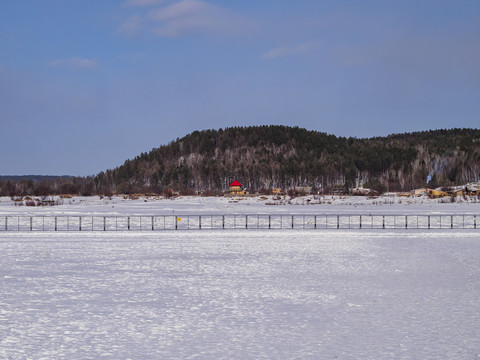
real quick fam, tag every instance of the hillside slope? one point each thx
(263, 157)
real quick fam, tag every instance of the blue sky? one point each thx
(85, 85)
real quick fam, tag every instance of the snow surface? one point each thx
(196, 205)
(242, 294)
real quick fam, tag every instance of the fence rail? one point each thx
(243, 221)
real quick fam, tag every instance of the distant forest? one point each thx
(266, 157)
(34, 178)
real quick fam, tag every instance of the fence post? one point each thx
(360, 221)
(315, 226)
(269, 222)
(128, 222)
(79, 223)
(429, 221)
(223, 221)
(474, 221)
(293, 221)
(104, 223)
(6, 223)
(406, 222)
(153, 227)
(383, 221)
(31, 223)
(246, 221)
(338, 221)
(55, 223)
(176, 222)
(200, 222)
(451, 221)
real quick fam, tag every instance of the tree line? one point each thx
(266, 157)
(42, 186)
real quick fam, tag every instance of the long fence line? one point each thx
(239, 221)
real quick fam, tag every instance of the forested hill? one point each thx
(263, 157)
(34, 178)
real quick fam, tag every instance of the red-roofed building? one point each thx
(236, 188)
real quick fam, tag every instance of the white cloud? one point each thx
(192, 16)
(132, 26)
(182, 18)
(142, 2)
(74, 62)
(289, 50)
(181, 9)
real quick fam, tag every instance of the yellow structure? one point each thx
(236, 188)
(429, 192)
(437, 194)
(419, 192)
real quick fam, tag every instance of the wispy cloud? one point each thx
(142, 2)
(191, 16)
(182, 18)
(132, 26)
(282, 51)
(74, 62)
(184, 8)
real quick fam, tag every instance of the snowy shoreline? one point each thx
(196, 205)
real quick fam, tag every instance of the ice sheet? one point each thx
(240, 295)
(196, 205)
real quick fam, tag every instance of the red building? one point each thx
(236, 188)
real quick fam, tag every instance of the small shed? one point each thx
(236, 188)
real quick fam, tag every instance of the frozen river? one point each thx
(241, 295)
(197, 205)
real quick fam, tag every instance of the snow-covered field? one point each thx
(239, 294)
(196, 205)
